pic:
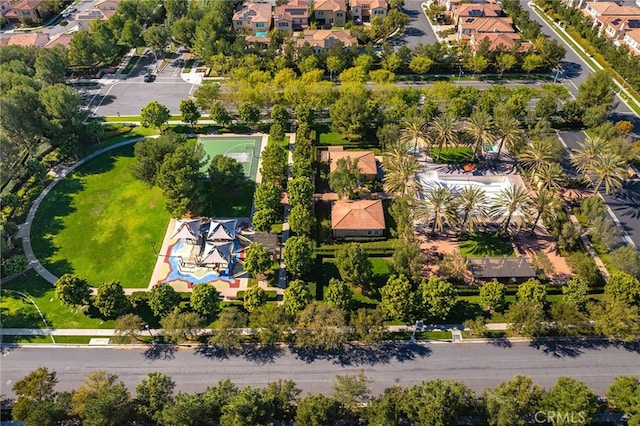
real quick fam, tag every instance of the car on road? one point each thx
(149, 77)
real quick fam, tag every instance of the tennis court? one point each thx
(245, 149)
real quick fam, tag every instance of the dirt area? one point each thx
(528, 245)
(434, 248)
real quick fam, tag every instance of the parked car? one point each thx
(148, 78)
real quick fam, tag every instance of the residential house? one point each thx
(26, 40)
(499, 42)
(253, 18)
(632, 39)
(322, 40)
(293, 16)
(614, 27)
(475, 11)
(366, 160)
(470, 25)
(594, 9)
(27, 10)
(330, 13)
(362, 218)
(452, 4)
(62, 39)
(366, 10)
(5, 6)
(104, 9)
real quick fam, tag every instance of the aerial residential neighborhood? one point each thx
(319, 212)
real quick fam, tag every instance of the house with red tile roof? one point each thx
(470, 25)
(632, 39)
(614, 27)
(62, 39)
(594, 9)
(27, 10)
(499, 42)
(293, 16)
(330, 13)
(322, 40)
(253, 18)
(475, 11)
(362, 218)
(366, 160)
(27, 40)
(366, 10)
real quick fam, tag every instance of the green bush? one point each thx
(272, 295)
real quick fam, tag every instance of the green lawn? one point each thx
(17, 313)
(78, 340)
(482, 244)
(332, 138)
(462, 154)
(99, 222)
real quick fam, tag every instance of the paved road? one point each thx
(478, 365)
(418, 31)
(626, 204)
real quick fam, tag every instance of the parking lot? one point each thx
(127, 96)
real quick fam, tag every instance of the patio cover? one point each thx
(217, 253)
(187, 229)
(222, 230)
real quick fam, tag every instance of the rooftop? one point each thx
(500, 267)
(357, 215)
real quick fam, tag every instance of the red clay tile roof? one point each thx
(332, 5)
(366, 160)
(357, 215)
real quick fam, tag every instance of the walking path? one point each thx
(282, 273)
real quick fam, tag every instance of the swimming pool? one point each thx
(491, 185)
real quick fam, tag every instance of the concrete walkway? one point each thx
(282, 273)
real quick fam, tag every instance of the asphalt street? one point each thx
(418, 31)
(479, 365)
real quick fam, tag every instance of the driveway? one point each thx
(418, 30)
(130, 95)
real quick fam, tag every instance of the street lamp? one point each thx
(146, 327)
(153, 245)
(460, 73)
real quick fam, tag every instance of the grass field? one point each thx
(483, 244)
(455, 155)
(99, 222)
(17, 313)
(236, 147)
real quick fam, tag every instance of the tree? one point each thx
(150, 154)
(128, 328)
(532, 62)
(276, 132)
(110, 299)
(397, 298)
(51, 65)
(102, 400)
(476, 64)
(247, 407)
(162, 299)
(408, 259)
(339, 295)
(228, 328)
(319, 327)
(298, 256)
(608, 169)
(471, 201)
(454, 267)
(492, 296)
(249, 113)
(481, 129)
(346, 179)
(414, 132)
(219, 114)
(438, 297)
(189, 111)
(254, 298)
(623, 287)
(267, 196)
(571, 396)
(154, 114)
(437, 208)
(282, 395)
(549, 177)
(597, 89)
(264, 219)
(626, 259)
(301, 219)
(567, 320)
(367, 325)
(624, 395)
(274, 164)
(300, 191)
(257, 259)
(353, 112)
(153, 393)
(512, 402)
(94, 128)
(296, 297)
(504, 62)
(225, 173)
(156, 37)
(206, 94)
(444, 132)
(438, 402)
(525, 318)
(181, 326)
(73, 290)
(270, 324)
(35, 402)
(400, 171)
(179, 179)
(354, 265)
(420, 64)
(280, 115)
(615, 319)
(532, 291)
(352, 390)
(205, 300)
(509, 202)
(544, 202)
(82, 50)
(188, 409)
(317, 410)
(576, 291)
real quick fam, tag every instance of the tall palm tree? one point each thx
(436, 208)
(544, 202)
(481, 129)
(549, 176)
(400, 172)
(540, 152)
(509, 202)
(414, 130)
(443, 132)
(508, 130)
(609, 170)
(472, 202)
(584, 157)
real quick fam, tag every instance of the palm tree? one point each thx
(443, 132)
(539, 153)
(400, 171)
(481, 130)
(436, 208)
(584, 157)
(549, 176)
(414, 130)
(609, 170)
(544, 202)
(508, 130)
(472, 202)
(511, 201)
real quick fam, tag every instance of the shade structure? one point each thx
(187, 229)
(222, 230)
(217, 253)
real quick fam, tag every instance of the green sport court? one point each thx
(245, 149)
